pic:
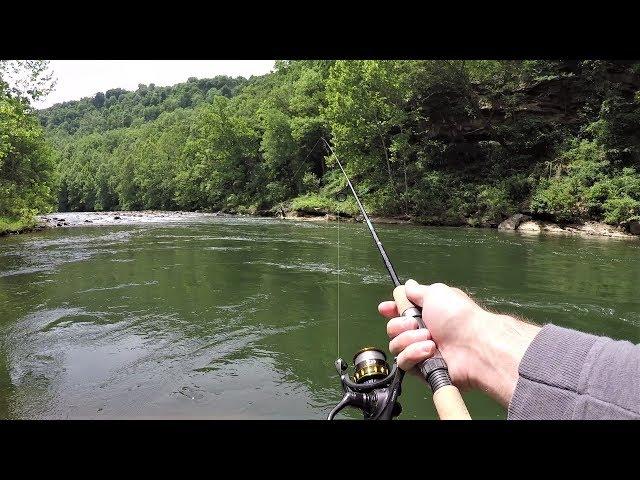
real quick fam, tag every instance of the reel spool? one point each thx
(370, 364)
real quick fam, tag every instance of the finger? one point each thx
(397, 325)
(415, 353)
(402, 341)
(415, 292)
(411, 281)
(388, 309)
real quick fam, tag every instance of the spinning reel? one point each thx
(375, 387)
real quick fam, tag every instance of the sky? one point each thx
(84, 78)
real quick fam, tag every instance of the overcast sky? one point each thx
(83, 78)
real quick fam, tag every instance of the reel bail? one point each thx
(375, 387)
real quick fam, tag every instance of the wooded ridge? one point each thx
(464, 142)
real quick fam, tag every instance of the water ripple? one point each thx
(586, 309)
(118, 287)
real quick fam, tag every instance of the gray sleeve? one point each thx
(570, 375)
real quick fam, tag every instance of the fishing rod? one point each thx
(375, 387)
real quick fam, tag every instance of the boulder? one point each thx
(600, 229)
(529, 226)
(552, 227)
(513, 222)
(634, 227)
(537, 226)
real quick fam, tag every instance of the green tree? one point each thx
(26, 166)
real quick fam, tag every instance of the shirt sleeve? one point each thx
(570, 375)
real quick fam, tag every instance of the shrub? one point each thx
(310, 182)
(620, 209)
(315, 203)
(565, 196)
(495, 202)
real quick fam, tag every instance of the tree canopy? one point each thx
(26, 160)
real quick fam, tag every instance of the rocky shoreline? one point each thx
(525, 224)
(517, 223)
(87, 219)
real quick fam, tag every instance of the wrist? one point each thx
(502, 341)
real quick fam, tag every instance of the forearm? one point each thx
(502, 343)
(555, 373)
(565, 374)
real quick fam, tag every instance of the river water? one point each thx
(236, 318)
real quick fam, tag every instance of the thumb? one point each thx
(415, 292)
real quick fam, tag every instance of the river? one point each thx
(232, 318)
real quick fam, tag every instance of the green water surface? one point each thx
(236, 318)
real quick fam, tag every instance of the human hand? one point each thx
(482, 349)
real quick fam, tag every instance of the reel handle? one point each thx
(446, 396)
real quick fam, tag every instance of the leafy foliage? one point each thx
(26, 79)
(12, 225)
(118, 108)
(26, 166)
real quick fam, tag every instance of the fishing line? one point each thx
(338, 286)
(304, 162)
(387, 263)
(312, 149)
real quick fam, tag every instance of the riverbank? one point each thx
(85, 219)
(525, 224)
(517, 223)
(11, 226)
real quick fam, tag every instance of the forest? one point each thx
(464, 142)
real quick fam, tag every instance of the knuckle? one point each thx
(403, 362)
(419, 335)
(435, 290)
(394, 326)
(390, 329)
(416, 353)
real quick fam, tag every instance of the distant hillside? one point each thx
(119, 108)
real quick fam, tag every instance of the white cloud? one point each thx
(84, 78)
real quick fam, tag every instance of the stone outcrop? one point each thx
(634, 227)
(513, 222)
(587, 228)
(537, 226)
(597, 228)
(529, 226)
